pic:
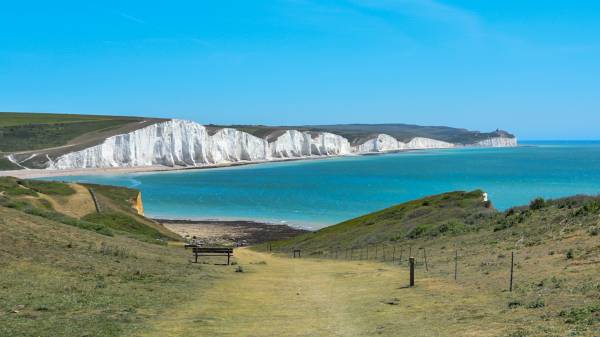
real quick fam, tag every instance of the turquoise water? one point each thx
(315, 193)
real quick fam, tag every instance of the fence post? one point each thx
(401, 251)
(455, 264)
(425, 258)
(512, 263)
(411, 263)
(394, 255)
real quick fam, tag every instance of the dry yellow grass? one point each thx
(76, 205)
(278, 296)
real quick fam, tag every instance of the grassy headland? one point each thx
(555, 242)
(70, 270)
(55, 134)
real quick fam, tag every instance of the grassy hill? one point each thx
(556, 246)
(455, 212)
(73, 204)
(32, 136)
(68, 270)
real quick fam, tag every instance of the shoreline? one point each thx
(230, 232)
(46, 173)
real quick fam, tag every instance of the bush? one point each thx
(538, 303)
(514, 304)
(569, 254)
(537, 203)
(593, 231)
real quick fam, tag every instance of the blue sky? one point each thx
(531, 67)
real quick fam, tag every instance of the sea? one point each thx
(316, 193)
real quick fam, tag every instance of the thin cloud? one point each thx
(427, 9)
(131, 18)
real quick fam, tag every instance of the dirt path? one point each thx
(277, 296)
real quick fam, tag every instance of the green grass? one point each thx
(59, 280)
(51, 135)
(556, 288)
(21, 118)
(27, 137)
(6, 165)
(29, 196)
(48, 187)
(444, 214)
(128, 224)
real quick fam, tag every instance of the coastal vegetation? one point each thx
(69, 269)
(557, 255)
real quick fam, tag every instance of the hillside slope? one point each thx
(31, 137)
(456, 238)
(63, 280)
(453, 212)
(112, 212)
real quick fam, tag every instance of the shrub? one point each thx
(569, 254)
(538, 303)
(514, 304)
(537, 203)
(593, 231)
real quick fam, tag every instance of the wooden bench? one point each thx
(210, 251)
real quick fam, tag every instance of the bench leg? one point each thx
(228, 258)
(196, 257)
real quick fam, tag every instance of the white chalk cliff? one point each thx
(186, 143)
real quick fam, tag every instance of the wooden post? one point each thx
(425, 258)
(401, 251)
(409, 251)
(195, 255)
(512, 263)
(228, 257)
(394, 255)
(411, 263)
(455, 264)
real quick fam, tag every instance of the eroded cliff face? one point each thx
(497, 142)
(186, 143)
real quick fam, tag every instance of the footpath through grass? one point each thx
(279, 296)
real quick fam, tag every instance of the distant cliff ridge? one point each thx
(185, 143)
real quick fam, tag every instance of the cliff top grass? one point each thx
(454, 212)
(55, 134)
(359, 133)
(62, 279)
(72, 204)
(557, 260)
